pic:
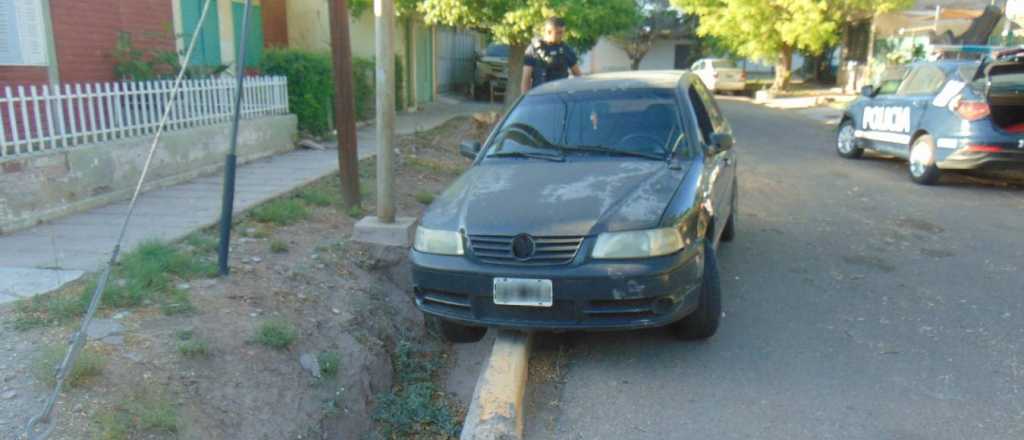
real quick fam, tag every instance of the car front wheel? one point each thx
(703, 322)
(846, 142)
(922, 161)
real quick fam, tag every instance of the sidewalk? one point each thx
(82, 242)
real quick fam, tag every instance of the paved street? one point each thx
(858, 305)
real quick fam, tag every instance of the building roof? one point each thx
(631, 79)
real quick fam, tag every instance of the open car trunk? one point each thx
(1004, 90)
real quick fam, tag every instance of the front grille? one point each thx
(497, 249)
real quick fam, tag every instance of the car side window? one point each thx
(701, 112)
(714, 114)
(924, 80)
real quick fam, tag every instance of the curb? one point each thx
(496, 411)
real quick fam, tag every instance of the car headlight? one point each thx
(638, 244)
(434, 241)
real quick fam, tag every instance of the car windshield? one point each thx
(723, 64)
(497, 50)
(640, 122)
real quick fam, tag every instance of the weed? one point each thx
(317, 196)
(424, 197)
(356, 212)
(431, 166)
(90, 363)
(145, 411)
(194, 348)
(178, 302)
(202, 242)
(280, 212)
(278, 246)
(42, 310)
(416, 407)
(276, 333)
(184, 335)
(328, 361)
(254, 230)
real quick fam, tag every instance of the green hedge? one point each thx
(311, 86)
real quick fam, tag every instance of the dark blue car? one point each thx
(596, 203)
(944, 115)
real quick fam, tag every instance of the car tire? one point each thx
(703, 322)
(456, 333)
(921, 163)
(846, 143)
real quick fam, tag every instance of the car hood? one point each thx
(577, 197)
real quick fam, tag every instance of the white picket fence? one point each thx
(42, 118)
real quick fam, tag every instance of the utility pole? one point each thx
(228, 199)
(344, 103)
(384, 12)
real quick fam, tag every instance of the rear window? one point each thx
(723, 64)
(635, 120)
(497, 50)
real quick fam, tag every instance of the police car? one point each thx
(942, 115)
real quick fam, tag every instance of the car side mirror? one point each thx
(721, 141)
(867, 91)
(469, 149)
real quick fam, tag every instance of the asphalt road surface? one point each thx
(858, 305)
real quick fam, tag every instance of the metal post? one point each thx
(384, 12)
(228, 200)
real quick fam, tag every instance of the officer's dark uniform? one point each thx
(550, 62)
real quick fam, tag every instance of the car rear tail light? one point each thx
(983, 149)
(971, 110)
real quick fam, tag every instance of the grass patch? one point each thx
(424, 197)
(280, 212)
(431, 166)
(276, 333)
(328, 361)
(254, 230)
(278, 246)
(144, 413)
(356, 212)
(89, 365)
(194, 348)
(317, 195)
(202, 242)
(416, 407)
(177, 302)
(51, 308)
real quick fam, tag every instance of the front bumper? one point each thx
(594, 295)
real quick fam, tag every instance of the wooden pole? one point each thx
(384, 12)
(344, 103)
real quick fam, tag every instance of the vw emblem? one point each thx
(523, 246)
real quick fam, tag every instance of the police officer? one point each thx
(548, 58)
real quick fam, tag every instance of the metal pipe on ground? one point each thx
(496, 411)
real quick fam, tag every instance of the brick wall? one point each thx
(22, 75)
(85, 32)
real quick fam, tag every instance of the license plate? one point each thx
(523, 292)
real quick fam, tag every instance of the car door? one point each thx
(869, 115)
(719, 166)
(890, 121)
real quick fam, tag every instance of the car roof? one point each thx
(631, 79)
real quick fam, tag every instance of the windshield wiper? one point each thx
(612, 151)
(550, 157)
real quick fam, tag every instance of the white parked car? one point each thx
(720, 75)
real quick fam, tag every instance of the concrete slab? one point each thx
(17, 283)
(371, 230)
(496, 411)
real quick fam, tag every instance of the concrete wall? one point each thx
(309, 28)
(48, 185)
(608, 57)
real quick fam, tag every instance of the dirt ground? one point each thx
(339, 296)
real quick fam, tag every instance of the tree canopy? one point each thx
(658, 21)
(770, 30)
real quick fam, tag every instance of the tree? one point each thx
(515, 22)
(658, 20)
(768, 30)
